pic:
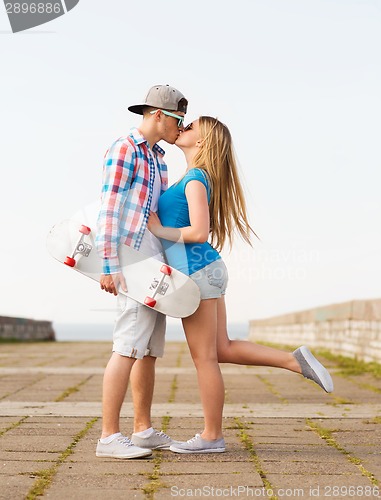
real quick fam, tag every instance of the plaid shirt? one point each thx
(128, 177)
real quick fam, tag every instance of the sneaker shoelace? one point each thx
(125, 441)
(193, 439)
(163, 434)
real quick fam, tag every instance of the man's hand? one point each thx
(111, 282)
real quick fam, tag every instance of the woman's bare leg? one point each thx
(244, 352)
(201, 333)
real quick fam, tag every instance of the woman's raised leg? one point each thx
(244, 352)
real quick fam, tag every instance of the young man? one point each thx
(134, 177)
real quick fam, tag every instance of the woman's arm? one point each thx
(198, 231)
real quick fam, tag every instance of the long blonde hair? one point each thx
(227, 207)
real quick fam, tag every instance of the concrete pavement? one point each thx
(285, 437)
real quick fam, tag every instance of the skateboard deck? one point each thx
(149, 281)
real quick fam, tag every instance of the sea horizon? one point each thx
(102, 332)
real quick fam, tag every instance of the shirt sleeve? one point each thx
(118, 171)
(197, 174)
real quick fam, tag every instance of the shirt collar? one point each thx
(139, 139)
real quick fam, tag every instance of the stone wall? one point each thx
(25, 329)
(350, 328)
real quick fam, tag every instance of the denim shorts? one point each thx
(212, 280)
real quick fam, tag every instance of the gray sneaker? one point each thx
(157, 440)
(313, 369)
(198, 445)
(121, 447)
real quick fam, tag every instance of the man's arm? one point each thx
(117, 178)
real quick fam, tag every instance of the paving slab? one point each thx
(93, 493)
(324, 486)
(15, 486)
(260, 410)
(274, 425)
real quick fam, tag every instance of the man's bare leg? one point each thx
(142, 386)
(115, 383)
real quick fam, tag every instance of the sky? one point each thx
(298, 84)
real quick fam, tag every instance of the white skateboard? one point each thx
(149, 281)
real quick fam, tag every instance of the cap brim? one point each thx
(137, 108)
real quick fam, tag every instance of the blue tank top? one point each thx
(174, 212)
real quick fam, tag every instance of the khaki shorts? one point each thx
(139, 331)
(212, 280)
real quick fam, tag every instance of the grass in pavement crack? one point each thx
(363, 385)
(34, 381)
(174, 386)
(165, 422)
(338, 401)
(46, 476)
(172, 395)
(13, 426)
(352, 366)
(180, 355)
(272, 388)
(49, 361)
(249, 445)
(155, 483)
(326, 434)
(72, 390)
(84, 360)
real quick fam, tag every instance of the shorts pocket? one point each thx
(216, 277)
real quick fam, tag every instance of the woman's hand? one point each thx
(198, 231)
(154, 224)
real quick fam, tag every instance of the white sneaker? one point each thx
(199, 445)
(157, 440)
(121, 447)
(313, 369)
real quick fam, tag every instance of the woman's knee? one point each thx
(205, 359)
(223, 351)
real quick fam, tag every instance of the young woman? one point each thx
(208, 200)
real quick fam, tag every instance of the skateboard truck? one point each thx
(160, 286)
(81, 248)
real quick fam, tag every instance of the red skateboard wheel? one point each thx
(69, 261)
(84, 230)
(149, 301)
(166, 270)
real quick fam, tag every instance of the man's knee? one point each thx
(148, 359)
(145, 366)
